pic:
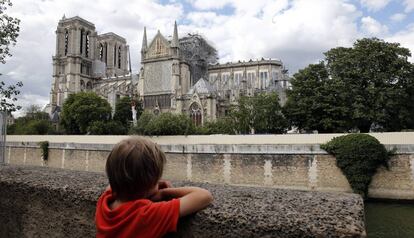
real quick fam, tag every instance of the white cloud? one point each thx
(375, 5)
(397, 17)
(32, 56)
(296, 31)
(372, 27)
(409, 5)
(405, 38)
(208, 4)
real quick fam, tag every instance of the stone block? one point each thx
(176, 166)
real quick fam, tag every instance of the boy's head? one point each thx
(134, 168)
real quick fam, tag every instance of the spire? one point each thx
(174, 42)
(144, 41)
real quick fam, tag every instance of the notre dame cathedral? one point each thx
(178, 75)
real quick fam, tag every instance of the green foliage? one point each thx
(123, 111)
(81, 109)
(164, 124)
(262, 113)
(8, 96)
(35, 122)
(9, 30)
(44, 146)
(107, 128)
(220, 126)
(358, 156)
(368, 85)
(317, 102)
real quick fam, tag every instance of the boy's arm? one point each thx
(192, 199)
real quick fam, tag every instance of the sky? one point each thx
(294, 31)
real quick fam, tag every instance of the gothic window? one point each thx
(106, 53)
(66, 41)
(119, 57)
(81, 41)
(158, 46)
(87, 45)
(82, 85)
(86, 68)
(114, 55)
(101, 53)
(88, 86)
(195, 114)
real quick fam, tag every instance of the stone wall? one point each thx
(49, 202)
(294, 166)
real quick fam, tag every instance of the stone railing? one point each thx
(237, 160)
(47, 202)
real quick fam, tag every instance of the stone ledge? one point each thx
(312, 149)
(44, 202)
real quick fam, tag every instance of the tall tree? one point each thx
(123, 112)
(368, 85)
(315, 101)
(9, 31)
(379, 81)
(81, 109)
(260, 113)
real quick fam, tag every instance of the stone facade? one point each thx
(183, 76)
(86, 61)
(178, 75)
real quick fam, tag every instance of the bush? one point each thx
(358, 156)
(220, 126)
(107, 128)
(25, 126)
(44, 146)
(164, 124)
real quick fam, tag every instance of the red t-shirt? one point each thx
(139, 218)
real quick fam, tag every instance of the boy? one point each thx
(137, 203)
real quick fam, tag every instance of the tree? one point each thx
(368, 85)
(223, 125)
(261, 113)
(81, 109)
(379, 80)
(35, 122)
(8, 96)
(315, 101)
(9, 31)
(164, 124)
(123, 112)
(107, 128)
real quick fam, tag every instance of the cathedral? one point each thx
(177, 75)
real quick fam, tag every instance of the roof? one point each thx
(202, 87)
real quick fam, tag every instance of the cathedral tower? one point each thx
(72, 63)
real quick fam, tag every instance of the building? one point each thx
(177, 75)
(86, 61)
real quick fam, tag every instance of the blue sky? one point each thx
(295, 31)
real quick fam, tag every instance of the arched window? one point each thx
(195, 114)
(119, 57)
(114, 55)
(66, 41)
(82, 85)
(106, 53)
(87, 45)
(88, 86)
(81, 41)
(101, 53)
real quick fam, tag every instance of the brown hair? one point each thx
(134, 167)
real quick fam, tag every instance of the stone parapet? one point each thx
(47, 202)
